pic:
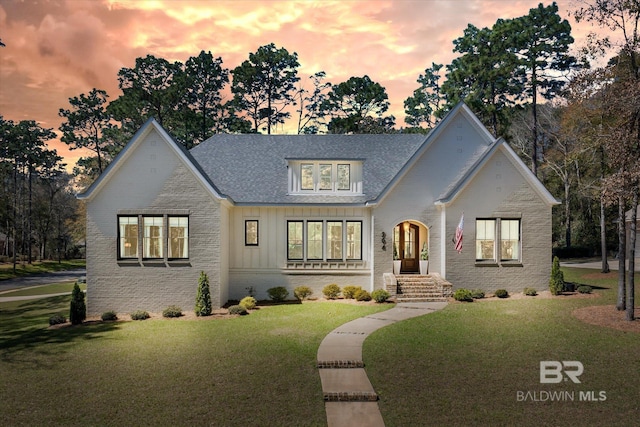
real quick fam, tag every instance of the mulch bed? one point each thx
(609, 317)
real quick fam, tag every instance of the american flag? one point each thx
(458, 239)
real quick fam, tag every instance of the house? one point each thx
(258, 211)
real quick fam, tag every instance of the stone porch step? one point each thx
(418, 288)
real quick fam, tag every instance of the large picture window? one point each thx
(509, 239)
(485, 239)
(153, 232)
(128, 237)
(178, 237)
(324, 240)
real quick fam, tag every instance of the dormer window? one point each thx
(340, 177)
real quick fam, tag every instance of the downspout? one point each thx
(372, 242)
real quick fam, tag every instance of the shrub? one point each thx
(362, 295)
(278, 294)
(502, 293)
(349, 291)
(238, 309)
(556, 282)
(302, 292)
(109, 315)
(585, 289)
(57, 319)
(203, 297)
(248, 302)
(463, 295)
(139, 315)
(78, 310)
(477, 294)
(331, 291)
(530, 292)
(379, 295)
(172, 311)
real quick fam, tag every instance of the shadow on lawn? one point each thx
(25, 332)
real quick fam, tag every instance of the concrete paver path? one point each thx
(350, 399)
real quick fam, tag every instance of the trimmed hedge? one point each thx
(278, 293)
(302, 292)
(379, 295)
(502, 293)
(172, 311)
(248, 302)
(331, 291)
(139, 315)
(463, 295)
(238, 309)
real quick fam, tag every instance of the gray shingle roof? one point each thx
(252, 169)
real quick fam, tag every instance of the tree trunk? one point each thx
(534, 143)
(632, 254)
(567, 211)
(622, 249)
(603, 237)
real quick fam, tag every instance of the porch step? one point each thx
(419, 288)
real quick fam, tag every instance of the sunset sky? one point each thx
(61, 48)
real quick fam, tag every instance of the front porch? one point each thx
(417, 288)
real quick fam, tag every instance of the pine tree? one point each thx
(203, 298)
(78, 311)
(556, 282)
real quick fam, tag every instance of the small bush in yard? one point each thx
(502, 293)
(530, 292)
(139, 315)
(109, 315)
(238, 309)
(463, 295)
(248, 302)
(278, 294)
(302, 292)
(477, 294)
(362, 295)
(379, 295)
(172, 311)
(78, 310)
(57, 319)
(203, 297)
(349, 291)
(556, 282)
(584, 289)
(331, 291)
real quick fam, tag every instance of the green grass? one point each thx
(6, 269)
(55, 288)
(251, 370)
(465, 364)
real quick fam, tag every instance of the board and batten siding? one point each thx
(153, 180)
(265, 266)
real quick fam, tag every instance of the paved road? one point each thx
(42, 279)
(597, 265)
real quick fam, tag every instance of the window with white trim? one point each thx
(153, 233)
(509, 239)
(128, 237)
(178, 237)
(325, 176)
(143, 237)
(485, 239)
(498, 239)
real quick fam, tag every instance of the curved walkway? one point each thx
(350, 399)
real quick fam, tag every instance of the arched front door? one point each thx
(407, 238)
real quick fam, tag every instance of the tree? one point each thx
(203, 297)
(264, 85)
(542, 41)
(423, 107)
(485, 75)
(78, 308)
(310, 112)
(357, 106)
(86, 123)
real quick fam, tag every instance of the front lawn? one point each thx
(473, 364)
(25, 269)
(253, 370)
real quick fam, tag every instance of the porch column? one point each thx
(443, 241)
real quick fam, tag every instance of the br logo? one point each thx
(553, 371)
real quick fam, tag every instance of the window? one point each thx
(509, 239)
(314, 240)
(128, 237)
(294, 240)
(325, 177)
(306, 176)
(334, 240)
(153, 226)
(251, 232)
(485, 239)
(324, 240)
(354, 240)
(344, 180)
(178, 237)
